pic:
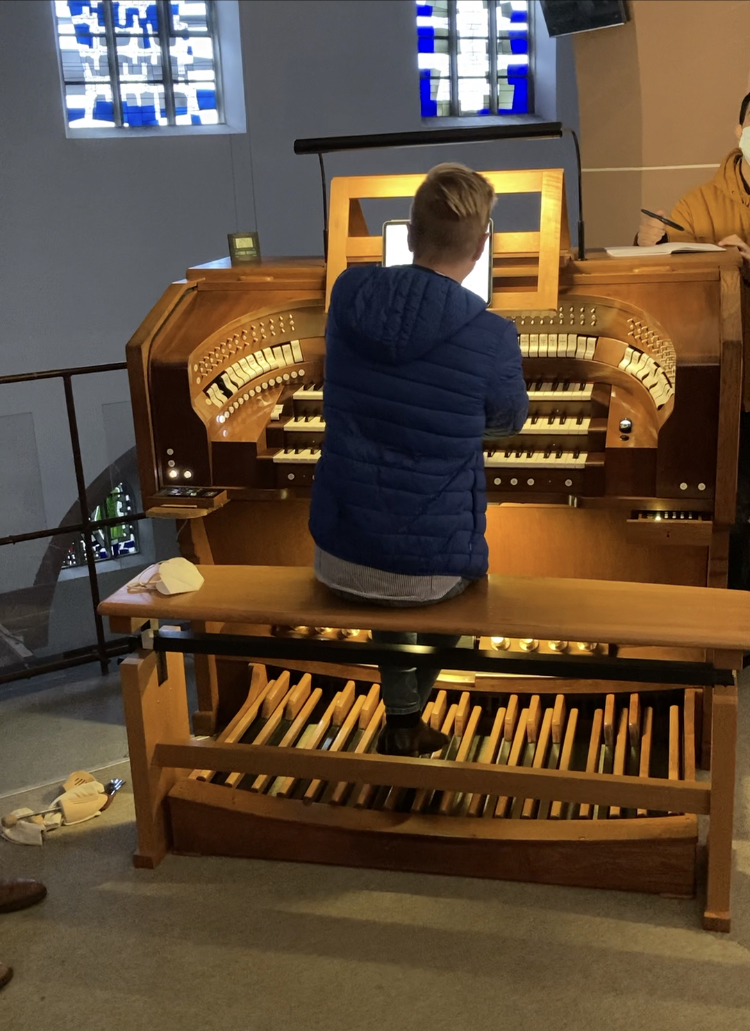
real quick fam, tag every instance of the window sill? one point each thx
(473, 121)
(155, 132)
(107, 566)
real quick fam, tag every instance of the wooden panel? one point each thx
(438, 775)
(723, 751)
(543, 608)
(347, 242)
(153, 711)
(644, 855)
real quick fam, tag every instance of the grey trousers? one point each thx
(405, 690)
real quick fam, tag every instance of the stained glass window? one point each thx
(108, 542)
(138, 63)
(474, 57)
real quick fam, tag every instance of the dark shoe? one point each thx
(20, 894)
(6, 973)
(411, 741)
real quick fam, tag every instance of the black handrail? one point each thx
(102, 650)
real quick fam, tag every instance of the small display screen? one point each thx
(396, 252)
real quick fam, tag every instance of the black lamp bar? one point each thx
(428, 137)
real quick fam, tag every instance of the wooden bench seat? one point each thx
(649, 615)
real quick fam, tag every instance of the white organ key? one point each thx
(312, 424)
(543, 344)
(288, 356)
(278, 411)
(228, 383)
(262, 357)
(536, 460)
(562, 345)
(552, 345)
(247, 369)
(580, 347)
(533, 345)
(570, 350)
(239, 374)
(590, 348)
(310, 392)
(305, 456)
(215, 396)
(278, 354)
(555, 392)
(544, 424)
(523, 342)
(234, 379)
(297, 351)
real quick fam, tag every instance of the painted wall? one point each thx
(662, 91)
(93, 231)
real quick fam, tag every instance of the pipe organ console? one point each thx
(625, 470)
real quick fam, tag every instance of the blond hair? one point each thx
(450, 212)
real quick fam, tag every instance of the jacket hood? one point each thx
(396, 315)
(728, 179)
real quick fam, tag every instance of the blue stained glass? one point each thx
(519, 44)
(83, 35)
(520, 96)
(104, 110)
(424, 10)
(426, 41)
(516, 16)
(139, 114)
(85, 62)
(429, 106)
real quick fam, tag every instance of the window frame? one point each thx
(224, 26)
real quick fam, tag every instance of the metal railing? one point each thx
(102, 650)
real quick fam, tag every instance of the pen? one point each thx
(666, 221)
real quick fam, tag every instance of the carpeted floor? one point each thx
(240, 945)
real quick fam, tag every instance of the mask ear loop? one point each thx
(139, 585)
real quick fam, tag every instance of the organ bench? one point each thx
(558, 770)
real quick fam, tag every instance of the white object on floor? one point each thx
(31, 832)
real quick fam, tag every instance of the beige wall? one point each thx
(663, 90)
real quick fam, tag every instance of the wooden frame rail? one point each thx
(349, 239)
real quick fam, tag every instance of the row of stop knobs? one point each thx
(530, 644)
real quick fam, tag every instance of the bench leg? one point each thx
(723, 755)
(154, 712)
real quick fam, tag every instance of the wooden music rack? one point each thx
(350, 242)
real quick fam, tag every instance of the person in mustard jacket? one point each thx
(717, 212)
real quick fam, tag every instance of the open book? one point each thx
(660, 248)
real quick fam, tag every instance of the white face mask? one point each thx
(745, 143)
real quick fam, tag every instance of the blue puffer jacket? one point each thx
(416, 370)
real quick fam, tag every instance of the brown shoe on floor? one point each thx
(20, 894)
(411, 741)
(6, 973)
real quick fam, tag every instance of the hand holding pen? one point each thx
(651, 230)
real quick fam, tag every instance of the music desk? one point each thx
(238, 601)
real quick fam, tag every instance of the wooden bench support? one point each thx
(724, 741)
(154, 712)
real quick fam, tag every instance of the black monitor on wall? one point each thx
(565, 16)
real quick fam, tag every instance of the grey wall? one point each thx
(92, 231)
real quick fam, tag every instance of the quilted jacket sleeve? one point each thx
(507, 403)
